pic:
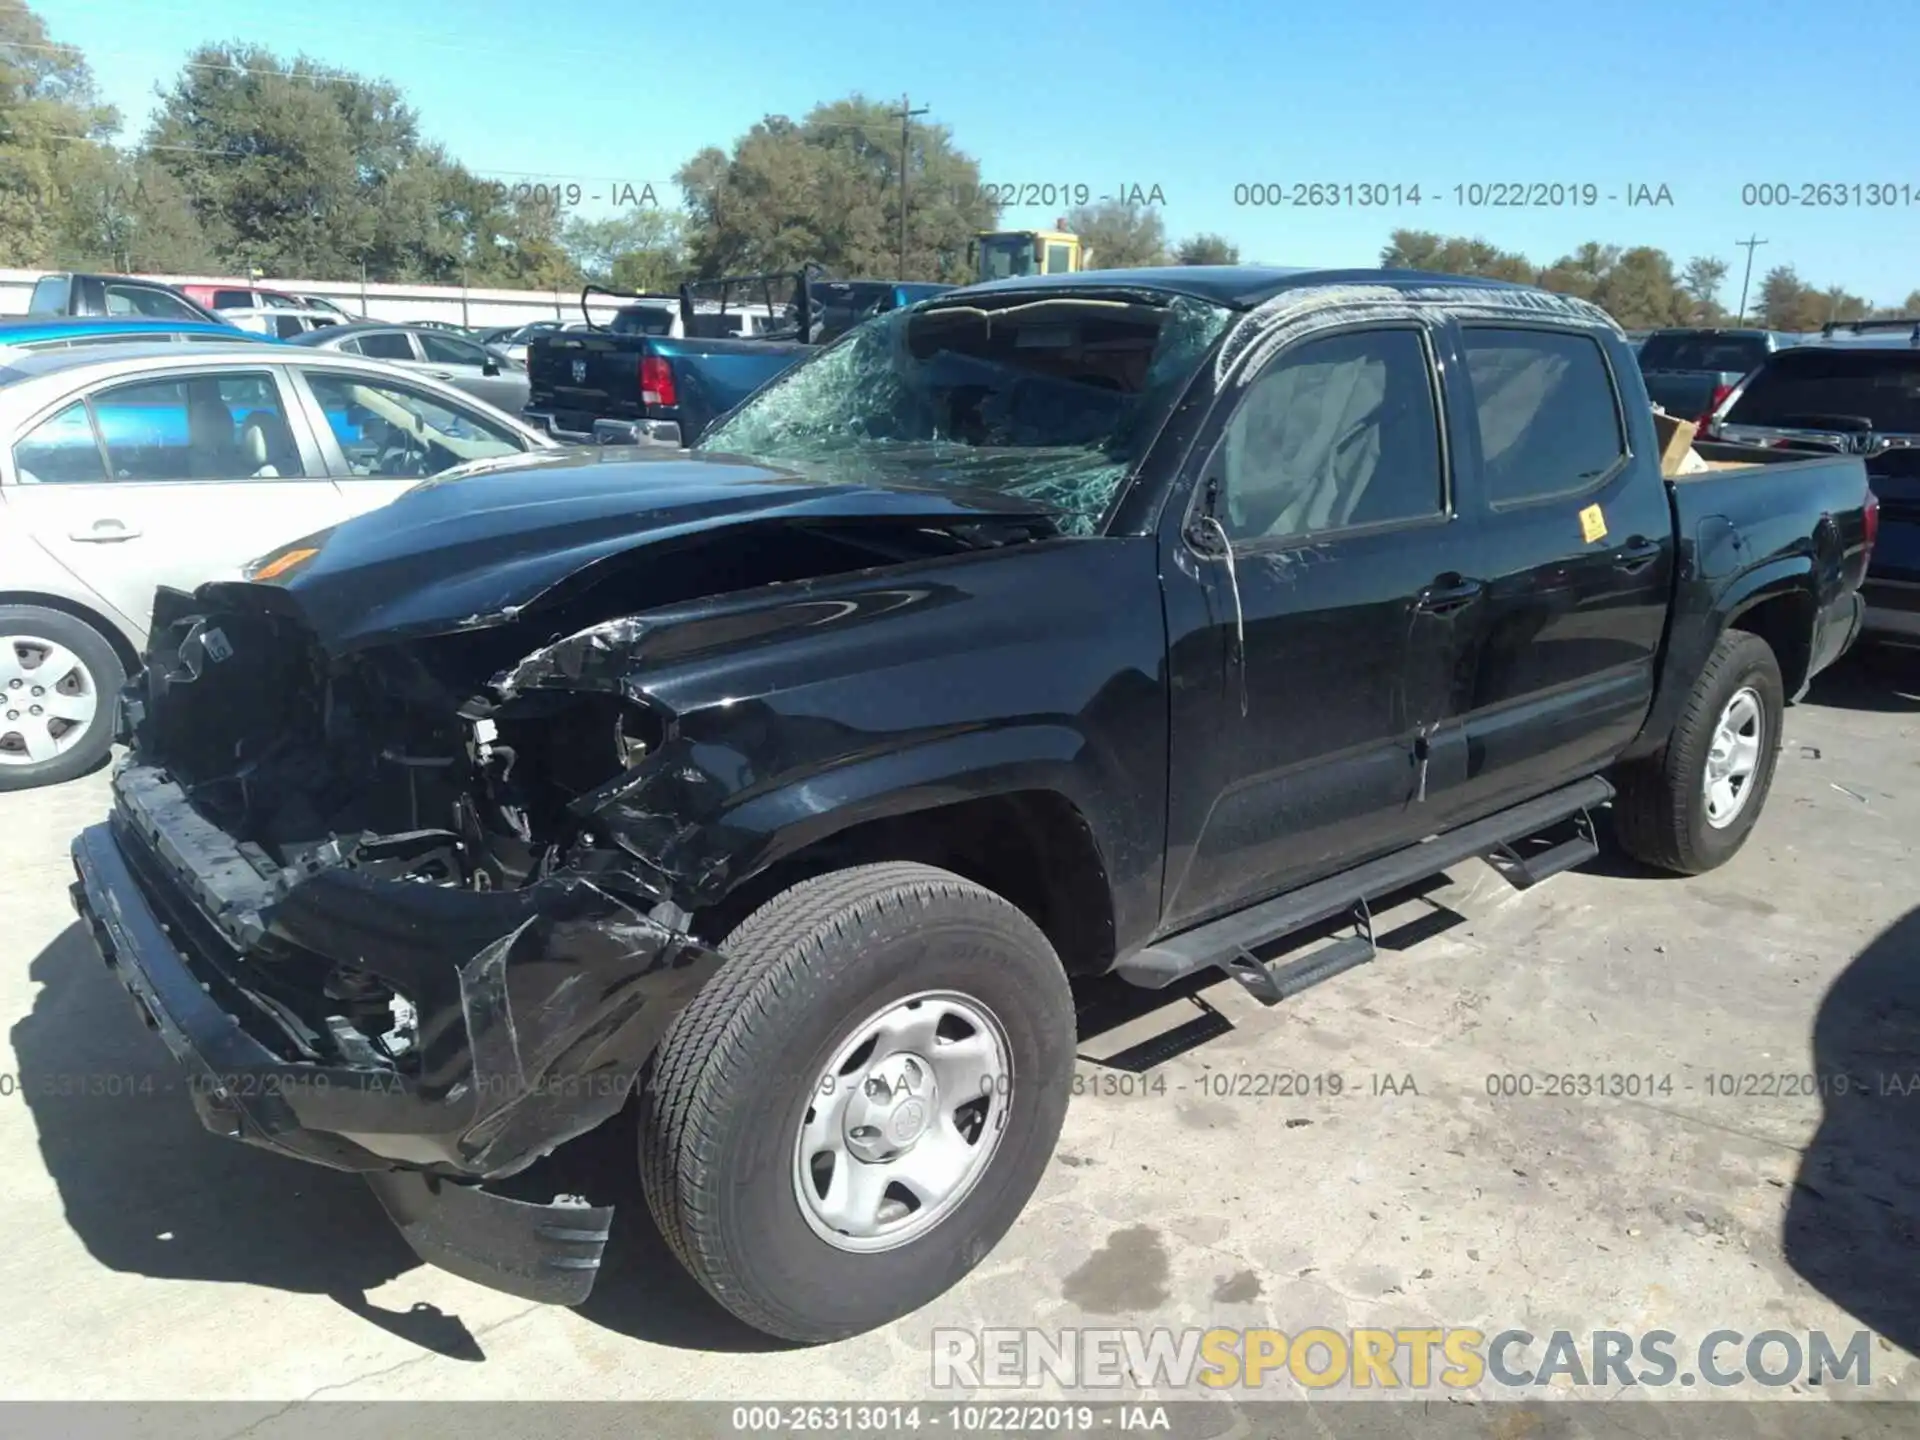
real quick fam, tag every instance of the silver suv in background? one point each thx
(135, 466)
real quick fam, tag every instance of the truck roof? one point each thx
(1239, 286)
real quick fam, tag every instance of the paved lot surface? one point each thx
(146, 1259)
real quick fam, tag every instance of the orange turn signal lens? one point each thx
(274, 569)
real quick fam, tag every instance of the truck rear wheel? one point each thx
(857, 1106)
(1690, 807)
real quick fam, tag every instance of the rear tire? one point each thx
(59, 682)
(1690, 808)
(770, 1057)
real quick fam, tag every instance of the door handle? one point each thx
(1449, 593)
(441, 374)
(1636, 554)
(104, 532)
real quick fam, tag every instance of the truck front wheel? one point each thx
(1690, 807)
(857, 1106)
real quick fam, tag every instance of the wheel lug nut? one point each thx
(876, 1087)
(865, 1132)
(34, 709)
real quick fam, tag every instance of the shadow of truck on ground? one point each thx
(1853, 1222)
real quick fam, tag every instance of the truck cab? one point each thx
(1003, 254)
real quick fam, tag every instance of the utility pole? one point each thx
(1751, 244)
(907, 112)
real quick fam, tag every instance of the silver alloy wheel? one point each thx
(904, 1121)
(48, 698)
(1733, 758)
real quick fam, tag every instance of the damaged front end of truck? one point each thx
(413, 955)
(412, 896)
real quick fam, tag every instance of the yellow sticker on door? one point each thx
(1593, 525)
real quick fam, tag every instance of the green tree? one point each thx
(1787, 302)
(50, 121)
(827, 189)
(1207, 249)
(1702, 280)
(638, 249)
(1454, 255)
(1122, 236)
(1640, 290)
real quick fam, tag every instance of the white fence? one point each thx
(377, 302)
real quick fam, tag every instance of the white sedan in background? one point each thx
(128, 467)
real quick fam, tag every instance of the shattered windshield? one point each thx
(1052, 399)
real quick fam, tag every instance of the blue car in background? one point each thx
(39, 332)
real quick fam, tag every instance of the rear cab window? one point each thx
(643, 320)
(50, 295)
(1810, 388)
(125, 299)
(1547, 412)
(1726, 353)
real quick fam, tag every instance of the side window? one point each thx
(1335, 433)
(1059, 259)
(447, 350)
(60, 450)
(232, 300)
(1545, 405)
(390, 430)
(386, 345)
(143, 300)
(198, 427)
(288, 326)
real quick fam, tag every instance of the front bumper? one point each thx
(540, 1041)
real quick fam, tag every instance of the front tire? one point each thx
(59, 679)
(1691, 807)
(858, 1105)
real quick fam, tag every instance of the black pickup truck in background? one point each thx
(1131, 623)
(1854, 391)
(662, 372)
(1690, 371)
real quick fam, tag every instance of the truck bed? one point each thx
(579, 377)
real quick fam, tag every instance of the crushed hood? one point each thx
(474, 550)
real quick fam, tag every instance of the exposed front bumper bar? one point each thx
(637, 432)
(242, 1091)
(608, 432)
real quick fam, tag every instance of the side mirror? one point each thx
(490, 366)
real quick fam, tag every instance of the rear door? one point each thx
(1314, 597)
(168, 481)
(1577, 552)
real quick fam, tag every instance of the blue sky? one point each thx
(1195, 98)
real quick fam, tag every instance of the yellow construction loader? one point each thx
(996, 254)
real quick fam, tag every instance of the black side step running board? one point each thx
(1228, 943)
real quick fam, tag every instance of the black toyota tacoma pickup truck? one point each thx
(1067, 625)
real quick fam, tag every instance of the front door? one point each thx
(1315, 593)
(169, 481)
